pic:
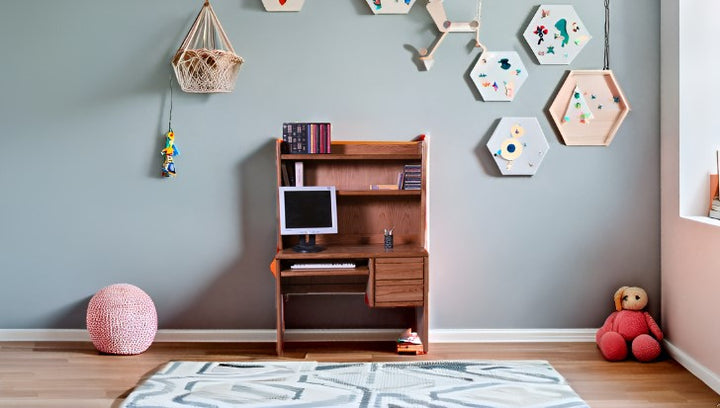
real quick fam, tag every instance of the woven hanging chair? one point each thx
(200, 65)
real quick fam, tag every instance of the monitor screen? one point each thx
(308, 210)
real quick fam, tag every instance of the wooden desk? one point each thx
(396, 277)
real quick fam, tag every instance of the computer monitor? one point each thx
(307, 211)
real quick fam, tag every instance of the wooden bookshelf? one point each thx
(396, 277)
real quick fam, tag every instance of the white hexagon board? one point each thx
(498, 75)
(518, 146)
(556, 35)
(283, 5)
(390, 6)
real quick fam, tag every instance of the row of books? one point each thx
(408, 179)
(715, 209)
(412, 177)
(292, 175)
(714, 191)
(307, 137)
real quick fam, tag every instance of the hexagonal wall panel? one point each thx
(283, 5)
(556, 35)
(498, 75)
(589, 108)
(390, 6)
(518, 146)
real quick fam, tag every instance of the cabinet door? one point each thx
(399, 282)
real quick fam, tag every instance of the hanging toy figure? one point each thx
(170, 150)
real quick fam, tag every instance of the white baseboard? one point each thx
(44, 335)
(268, 336)
(211, 336)
(698, 370)
(511, 335)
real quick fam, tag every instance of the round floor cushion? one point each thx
(121, 319)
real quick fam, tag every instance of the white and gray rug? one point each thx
(309, 384)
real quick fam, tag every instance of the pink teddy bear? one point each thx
(630, 326)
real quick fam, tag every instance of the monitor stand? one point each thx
(307, 244)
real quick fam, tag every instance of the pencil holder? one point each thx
(388, 241)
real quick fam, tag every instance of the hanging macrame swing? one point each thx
(202, 63)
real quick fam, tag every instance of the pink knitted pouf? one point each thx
(121, 319)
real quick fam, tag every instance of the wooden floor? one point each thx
(75, 375)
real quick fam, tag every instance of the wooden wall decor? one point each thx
(518, 146)
(390, 6)
(498, 75)
(283, 5)
(589, 108)
(436, 9)
(556, 35)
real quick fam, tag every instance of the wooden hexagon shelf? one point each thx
(589, 108)
(283, 5)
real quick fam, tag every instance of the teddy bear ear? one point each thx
(618, 297)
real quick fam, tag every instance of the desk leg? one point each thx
(280, 312)
(422, 312)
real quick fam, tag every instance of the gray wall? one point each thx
(84, 94)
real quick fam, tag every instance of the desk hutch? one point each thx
(389, 278)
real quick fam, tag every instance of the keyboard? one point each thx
(331, 265)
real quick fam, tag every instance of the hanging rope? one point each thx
(478, 17)
(606, 59)
(171, 105)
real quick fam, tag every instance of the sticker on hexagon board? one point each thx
(518, 146)
(556, 35)
(498, 75)
(390, 6)
(589, 108)
(283, 5)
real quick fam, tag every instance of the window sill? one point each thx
(703, 220)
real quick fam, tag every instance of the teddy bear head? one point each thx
(630, 298)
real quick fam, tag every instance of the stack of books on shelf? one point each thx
(412, 177)
(409, 343)
(304, 137)
(715, 209)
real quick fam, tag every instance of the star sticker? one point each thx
(551, 49)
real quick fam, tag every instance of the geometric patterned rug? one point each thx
(308, 384)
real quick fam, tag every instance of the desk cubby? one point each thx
(389, 278)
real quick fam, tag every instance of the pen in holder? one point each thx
(388, 238)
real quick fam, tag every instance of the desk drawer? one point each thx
(398, 268)
(399, 293)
